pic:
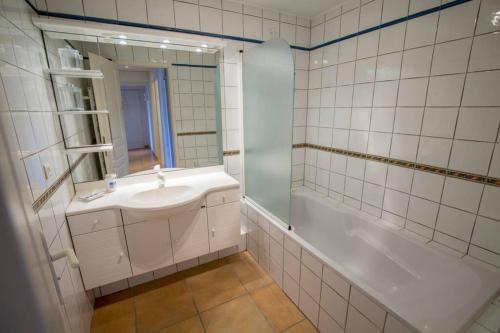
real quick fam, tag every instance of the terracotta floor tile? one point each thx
(235, 257)
(240, 315)
(191, 325)
(162, 307)
(215, 287)
(209, 266)
(113, 298)
(250, 273)
(277, 307)
(156, 284)
(304, 326)
(115, 317)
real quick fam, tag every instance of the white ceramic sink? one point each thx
(161, 202)
(163, 195)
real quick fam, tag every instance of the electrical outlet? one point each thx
(47, 170)
(273, 32)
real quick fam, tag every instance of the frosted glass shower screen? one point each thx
(268, 92)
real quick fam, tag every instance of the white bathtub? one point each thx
(429, 289)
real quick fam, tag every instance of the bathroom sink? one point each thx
(161, 202)
(163, 195)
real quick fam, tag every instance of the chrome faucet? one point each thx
(160, 176)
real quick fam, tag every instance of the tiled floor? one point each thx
(228, 295)
(140, 160)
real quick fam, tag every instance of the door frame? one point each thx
(143, 90)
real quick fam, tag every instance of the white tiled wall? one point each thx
(326, 298)
(28, 120)
(422, 91)
(194, 105)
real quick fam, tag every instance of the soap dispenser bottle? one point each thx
(110, 181)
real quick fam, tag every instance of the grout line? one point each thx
(371, 117)
(421, 121)
(458, 117)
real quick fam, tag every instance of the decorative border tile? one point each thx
(231, 152)
(406, 164)
(42, 199)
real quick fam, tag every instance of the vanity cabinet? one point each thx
(222, 197)
(149, 245)
(189, 235)
(114, 244)
(103, 256)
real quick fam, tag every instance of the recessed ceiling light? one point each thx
(122, 42)
(122, 37)
(163, 46)
(198, 49)
(204, 45)
(166, 41)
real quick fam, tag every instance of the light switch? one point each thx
(47, 170)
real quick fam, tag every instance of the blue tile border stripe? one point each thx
(243, 39)
(391, 23)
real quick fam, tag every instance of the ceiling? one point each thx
(303, 8)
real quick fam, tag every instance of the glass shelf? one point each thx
(90, 149)
(76, 112)
(77, 73)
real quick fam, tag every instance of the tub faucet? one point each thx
(160, 176)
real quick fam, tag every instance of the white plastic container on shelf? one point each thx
(70, 58)
(71, 97)
(66, 97)
(78, 98)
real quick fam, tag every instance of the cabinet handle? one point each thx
(213, 232)
(68, 253)
(223, 199)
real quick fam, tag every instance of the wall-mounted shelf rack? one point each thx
(70, 102)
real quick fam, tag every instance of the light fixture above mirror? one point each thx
(124, 35)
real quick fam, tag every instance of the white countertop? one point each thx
(203, 180)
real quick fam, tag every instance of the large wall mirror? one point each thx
(156, 103)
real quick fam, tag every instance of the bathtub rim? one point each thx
(363, 288)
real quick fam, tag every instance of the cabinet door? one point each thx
(103, 257)
(224, 226)
(149, 245)
(189, 235)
